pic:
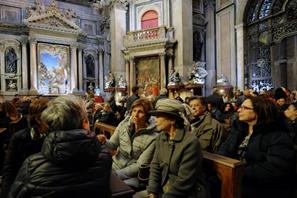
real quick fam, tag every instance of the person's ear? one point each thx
(86, 124)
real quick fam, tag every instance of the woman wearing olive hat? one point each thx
(176, 165)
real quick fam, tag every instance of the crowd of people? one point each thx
(57, 153)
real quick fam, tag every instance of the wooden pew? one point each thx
(2, 130)
(229, 172)
(105, 129)
(227, 169)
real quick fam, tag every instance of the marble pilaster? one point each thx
(132, 74)
(240, 56)
(33, 68)
(163, 73)
(101, 69)
(117, 31)
(80, 69)
(73, 85)
(24, 66)
(127, 71)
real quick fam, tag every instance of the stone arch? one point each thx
(241, 12)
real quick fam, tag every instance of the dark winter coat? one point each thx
(22, 144)
(270, 161)
(175, 166)
(71, 164)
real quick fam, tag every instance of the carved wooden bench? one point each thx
(105, 129)
(229, 172)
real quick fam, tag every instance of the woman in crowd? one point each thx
(258, 139)
(24, 143)
(175, 168)
(8, 114)
(72, 162)
(291, 115)
(134, 140)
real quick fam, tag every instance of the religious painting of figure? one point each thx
(10, 61)
(148, 74)
(53, 69)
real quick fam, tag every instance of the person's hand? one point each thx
(151, 195)
(101, 138)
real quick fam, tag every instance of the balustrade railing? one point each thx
(154, 34)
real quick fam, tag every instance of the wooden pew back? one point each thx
(229, 172)
(105, 129)
(227, 169)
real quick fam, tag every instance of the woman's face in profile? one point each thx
(163, 123)
(138, 115)
(246, 112)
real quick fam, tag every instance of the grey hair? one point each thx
(65, 113)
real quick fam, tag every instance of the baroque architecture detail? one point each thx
(51, 18)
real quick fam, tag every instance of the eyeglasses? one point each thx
(246, 108)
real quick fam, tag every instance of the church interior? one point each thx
(56, 47)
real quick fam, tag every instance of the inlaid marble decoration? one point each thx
(53, 73)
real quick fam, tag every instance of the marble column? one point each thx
(24, 66)
(240, 56)
(2, 67)
(117, 32)
(127, 71)
(132, 79)
(73, 75)
(80, 70)
(210, 47)
(163, 73)
(170, 55)
(183, 33)
(101, 69)
(33, 68)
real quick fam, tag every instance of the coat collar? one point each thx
(179, 135)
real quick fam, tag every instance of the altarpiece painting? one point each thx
(148, 74)
(53, 69)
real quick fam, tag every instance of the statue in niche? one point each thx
(174, 78)
(109, 80)
(198, 73)
(122, 83)
(12, 86)
(11, 61)
(91, 87)
(90, 66)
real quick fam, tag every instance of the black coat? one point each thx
(270, 161)
(71, 164)
(21, 146)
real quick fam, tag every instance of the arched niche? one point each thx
(10, 62)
